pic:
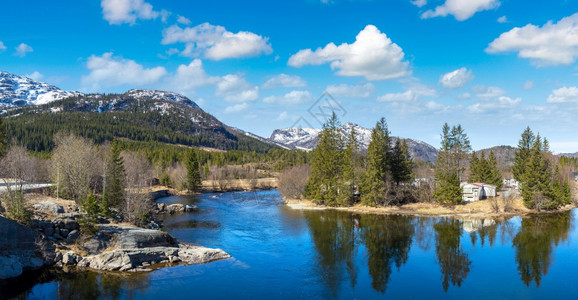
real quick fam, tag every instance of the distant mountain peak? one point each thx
(307, 138)
(18, 90)
(161, 95)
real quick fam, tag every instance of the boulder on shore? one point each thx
(135, 249)
(49, 206)
(19, 249)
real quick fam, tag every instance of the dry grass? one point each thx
(481, 208)
(243, 184)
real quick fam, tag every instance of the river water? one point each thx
(280, 253)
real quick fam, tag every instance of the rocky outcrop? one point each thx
(130, 249)
(50, 207)
(19, 249)
(175, 208)
(64, 229)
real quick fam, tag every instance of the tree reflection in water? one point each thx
(388, 241)
(334, 235)
(337, 235)
(535, 242)
(453, 261)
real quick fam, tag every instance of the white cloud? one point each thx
(282, 116)
(551, 44)
(465, 96)
(488, 92)
(494, 104)
(235, 89)
(284, 80)
(461, 9)
(456, 79)
(564, 95)
(351, 91)
(412, 94)
(109, 71)
(291, 98)
(191, 76)
(184, 20)
(419, 3)
(2, 46)
(373, 55)
(35, 76)
(215, 42)
(529, 84)
(22, 50)
(128, 11)
(236, 108)
(502, 19)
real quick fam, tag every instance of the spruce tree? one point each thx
(375, 181)
(523, 154)
(401, 164)
(475, 169)
(327, 165)
(494, 176)
(193, 172)
(450, 165)
(349, 169)
(115, 180)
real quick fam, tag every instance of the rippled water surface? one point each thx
(281, 253)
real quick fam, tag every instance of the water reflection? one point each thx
(453, 260)
(535, 241)
(334, 235)
(388, 241)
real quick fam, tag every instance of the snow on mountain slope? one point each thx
(307, 138)
(19, 90)
(162, 95)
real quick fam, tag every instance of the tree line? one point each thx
(341, 175)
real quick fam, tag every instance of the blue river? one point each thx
(281, 253)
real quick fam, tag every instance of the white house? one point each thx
(510, 183)
(477, 191)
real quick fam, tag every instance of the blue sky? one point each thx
(493, 66)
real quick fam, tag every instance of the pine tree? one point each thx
(401, 164)
(115, 180)
(374, 188)
(494, 176)
(475, 168)
(327, 165)
(349, 169)
(523, 154)
(193, 172)
(450, 165)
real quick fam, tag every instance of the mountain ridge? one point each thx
(307, 138)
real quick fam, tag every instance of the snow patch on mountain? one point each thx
(162, 95)
(19, 90)
(307, 138)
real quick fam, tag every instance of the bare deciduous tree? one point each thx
(74, 167)
(18, 167)
(292, 181)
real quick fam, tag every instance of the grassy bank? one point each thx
(477, 209)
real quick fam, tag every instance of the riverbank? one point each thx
(478, 209)
(53, 240)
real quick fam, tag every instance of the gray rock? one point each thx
(58, 236)
(71, 224)
(69, 258)
(49, 231)
(161, 206)
(190, 208)
(64, 232)
(72, 236)
(49, 206)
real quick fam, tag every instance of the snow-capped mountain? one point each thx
(19, 90)
(307, 138)
(162, 95)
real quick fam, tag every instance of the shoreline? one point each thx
(479, 209)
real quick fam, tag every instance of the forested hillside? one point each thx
(132, 116)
